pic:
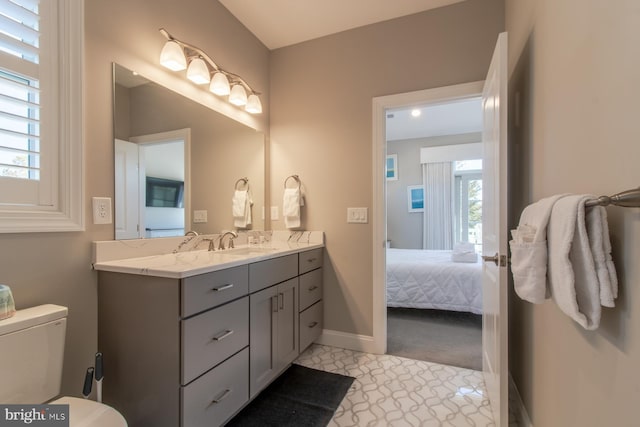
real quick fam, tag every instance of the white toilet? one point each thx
(32, 343)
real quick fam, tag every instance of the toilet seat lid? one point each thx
(88, 413)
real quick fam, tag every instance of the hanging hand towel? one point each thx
(291, 207)
(572, 275)
(241, 206)
(529, 251)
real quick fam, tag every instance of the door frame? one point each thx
(379, 214)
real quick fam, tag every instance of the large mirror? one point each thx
(179, 163)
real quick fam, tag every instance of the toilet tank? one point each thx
(31, 355)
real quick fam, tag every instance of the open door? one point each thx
(127, 190)
(494, 234)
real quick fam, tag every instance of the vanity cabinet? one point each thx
(274, 319)
(310, 297)
(175, 350)
(194, 351)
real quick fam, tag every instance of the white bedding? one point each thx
(429, 279)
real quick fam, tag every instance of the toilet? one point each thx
(32, 343)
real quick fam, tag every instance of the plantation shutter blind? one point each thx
(26, 163)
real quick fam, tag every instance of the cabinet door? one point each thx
(287, 339)
(263, 313)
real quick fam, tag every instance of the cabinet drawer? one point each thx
(310, 288)
(208, 290)
(269, 272)
(310, 260)
(211, 337)
(310, 325)
(213, 398)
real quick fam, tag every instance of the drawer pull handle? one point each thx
(312, 288)
(223, 336)
(313, 324)
(274, 303)
(312, 259)
(281, 300)
(223, 288)
(223, 396)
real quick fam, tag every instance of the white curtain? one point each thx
(438, 210)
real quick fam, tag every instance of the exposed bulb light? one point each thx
(172, 56)
(416, 112)
(201, 70)
(220, 84)
(254, 106)
(238, 96)
(198, 72)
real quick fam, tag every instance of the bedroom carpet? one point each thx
(301, 396)
(447, 337)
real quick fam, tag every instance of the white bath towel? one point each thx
(241, 207)
(598, 231)
(572, 275)
(291, 202)
(529, 251)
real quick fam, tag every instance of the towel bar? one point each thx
(295, 177)
(626, 199)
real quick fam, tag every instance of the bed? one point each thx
(429, 279)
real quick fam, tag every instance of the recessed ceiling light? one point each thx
(416, 112)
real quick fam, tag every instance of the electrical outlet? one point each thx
(101, 210)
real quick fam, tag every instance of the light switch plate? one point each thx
(101, 210)
(199, 216)
(357, 215)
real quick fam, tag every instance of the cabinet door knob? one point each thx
(222, 396)
(222, 288)
(313, 324)
(223, 336)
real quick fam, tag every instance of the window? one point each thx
(41, 115)
(468, 202)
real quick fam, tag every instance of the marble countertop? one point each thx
(190, 263)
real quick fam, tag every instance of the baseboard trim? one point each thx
(357, 342)
(519, 410)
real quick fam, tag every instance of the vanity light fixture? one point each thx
(177, 55)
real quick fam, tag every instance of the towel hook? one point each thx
(244, 180)
(295, 177)
(625, 199)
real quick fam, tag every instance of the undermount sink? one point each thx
(248, 251)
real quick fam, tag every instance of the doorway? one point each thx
(382, 106)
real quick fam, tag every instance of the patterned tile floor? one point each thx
(394, 391)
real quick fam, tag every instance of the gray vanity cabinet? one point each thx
(273, 316)
(175, 350)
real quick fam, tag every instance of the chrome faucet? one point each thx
(190, 235)
(233, 235)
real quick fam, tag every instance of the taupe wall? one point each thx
(321, 125)
(405, 228)
(575, 68)
(55, 267)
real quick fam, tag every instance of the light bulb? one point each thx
(198, 72)
(254, 106)
(172, 56)
(220, 84)
(238, 95)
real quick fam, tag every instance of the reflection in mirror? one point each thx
(177, 162)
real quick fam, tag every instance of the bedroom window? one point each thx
(468, 202)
